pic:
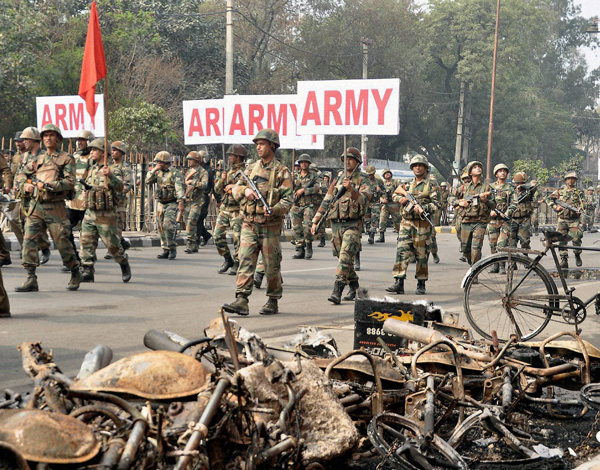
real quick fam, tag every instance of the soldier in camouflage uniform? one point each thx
(569, 221)
(196, 182)
(371, 219)
(229, 212)
(322, 234)
(118, 150)
(5, 170)
(416, 234)
(15, 222)
(440, 217)
(498, 217)
(103, 187)
(535, 206)
(48, 180)
(589, 203)
(170, 196)
(261, 231)
(307, 196)
(388, 207)
(475, 199)
(345, 210)
(459, 211)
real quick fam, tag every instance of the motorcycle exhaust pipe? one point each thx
(94, 360)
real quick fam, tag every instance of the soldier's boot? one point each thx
(420, 287)
(204, 240)
(64, 269)
(258, 279)
(45, 256)
(300, 254)
(163, 255)
(397, 287)
(125, 244)
(5, 261)
(357, 262)
(578, 261)
(125, 271)
(495, 268)
(309, 251)
(502, 268)
(87, 275)
(371, 239)
(381, 238)
(191, 249)
(351, 295)
(293, 241)
(463, 259)
(76, 279)
(172, 253)
(239, 305)
(436, 258)
(322, 241)
(270, 308)
(30, 284)
(336, 295)
(564, 262)
(228, 263)
(108, 256)
(234, 269)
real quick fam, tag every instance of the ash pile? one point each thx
(228, 401)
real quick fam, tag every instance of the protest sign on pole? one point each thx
(69, 114)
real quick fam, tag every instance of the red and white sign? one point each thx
(69, 114)
(349, 107)
(203, 122)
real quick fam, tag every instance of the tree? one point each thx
(144, 127)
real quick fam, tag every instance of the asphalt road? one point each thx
(184, 295)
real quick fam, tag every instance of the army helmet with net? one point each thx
(268, 134)
(163, 157)
(51, 128)
(419, 160)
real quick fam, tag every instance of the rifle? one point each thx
(566, 205)
(474, 198)
(412, 203)
(178, 220)
(525, 194)
(254, 188)
(310, 183)
(502, 214)
(338, 195)
(189, 188)
(86, 186)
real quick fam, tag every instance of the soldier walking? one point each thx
(416, 233)
(170, 195)
(388, 207)
(261, 226)
(15, 221)
(344, 205)
(48, 180)
(118, 150)
(203, 234)
(373, 214)
(589, 203)
(569, 219)
(307, 196)
(498, 217)
(196, 182)
(441, 216)
(459, 211)
(103, 187)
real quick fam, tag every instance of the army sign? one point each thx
(69, 114)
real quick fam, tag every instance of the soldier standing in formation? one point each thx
(118, 150)
(229, 212)
(48, 180)
(388, 207)
(569, 221)
(589, 203)
(498, 217)
(103, 187)
(196, 182)
(170, 195)
(261, 227)
(307, 196)
(346, 203)
(416, 233)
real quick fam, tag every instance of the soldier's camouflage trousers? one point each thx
(535, 219)
(471, 240)
(228, 220)
(516, 230)
(301, 223)
(573, 228)
(255, 239)
(121, 217)
(166, 216)
(191, 223)
(589, 218)
(51, 216)
(433, 246)
(100, 224)
(389, 210)
(493, 229)
(372, 217)
(414, 237)
(345, 243)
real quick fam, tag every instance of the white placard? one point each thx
(349, 107)
(69, 114)
(203, 122)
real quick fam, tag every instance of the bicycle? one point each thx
(524, 300)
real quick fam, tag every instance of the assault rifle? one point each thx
(254, 188)
(522, 195)
(310, 183)
(474, 198)
(502, 214)
(86, 186)
(338, 195)
(566, 205)
(413, 203)
(45, 186)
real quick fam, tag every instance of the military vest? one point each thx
(346, 208)
(311, 195)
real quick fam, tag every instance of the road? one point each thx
(184, 295)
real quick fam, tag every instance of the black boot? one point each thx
(436, 258)
(300, 254)
(172, 253)
(564, 262)
(381, 238)
(351, 295)
(87, 275)
(578, 261)
(204, 240)
(125, 271)
(397, 287)
(309, 251)
(371, 239)
(270, 308)
(228, 263)
(125, 244)
(322, 241)
(357, 262)
(420, 287)
(163, 255)
(234, 268)
(45, 256)
(30, 284)
(239, 306)
(336, 295)
(258, 279)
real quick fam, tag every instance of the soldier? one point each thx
(373, 215)
(569, 220)
(589, 203)
(170, 195)
(307, 192)
(345, 205)
(196, 182)
(535, 205)
(103, 188)
(388, 207)
(203, 234)
(459, 211)
(118, 150)
(442, 213)
(416, 233)
(498, 217)
(475, 199)
(48, 180)
(5, 170)
(260, 229)
(322, 234)
(15, 222)
(229, 213)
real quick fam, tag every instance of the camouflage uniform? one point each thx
(6, 176)
(16, 222)
(390, 208)
(229, 216)
(569, 222)
(124, 170)
(196, 182)
(519, 227)
(373, 215)
(303, 210)
(497, 222)
(589, 203)
(440, 215)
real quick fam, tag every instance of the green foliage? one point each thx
(534, 169)
(574, 163)
(143, 127)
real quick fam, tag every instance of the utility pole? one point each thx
(365, 54)
(229, 50)
(492, 99)
(458, 152)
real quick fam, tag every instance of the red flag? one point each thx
(93, 67)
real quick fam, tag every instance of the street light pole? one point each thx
(491, 127)
(229, 49)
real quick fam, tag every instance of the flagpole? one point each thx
(106, 121)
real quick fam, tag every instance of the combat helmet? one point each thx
(419, 160)
(464, 175)
(238, 150)
(520, 177)
(31, 133)
(571, 174)
(193, 155)
(387, 171)
(87, 135)
(121, 146)
(52, 128)
(443, 183)
(267, 134)
(500, 166)
(472, 164)
(163, 156)
(305, 157)
(370, 170)
(591, 188)
(352, 152)
(18, 137)
(97, 144)
(204, 157)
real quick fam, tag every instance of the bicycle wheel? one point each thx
(525, 312)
